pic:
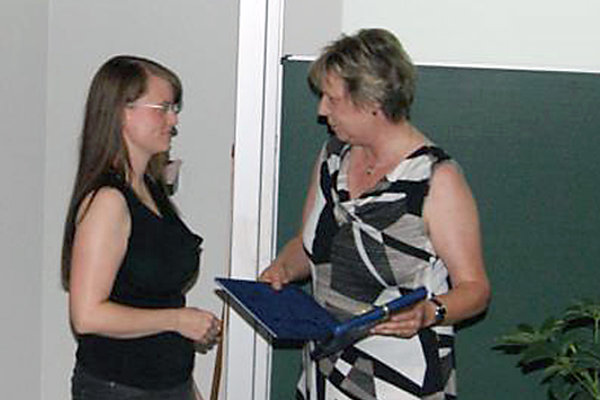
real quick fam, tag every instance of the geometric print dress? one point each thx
(364, 252)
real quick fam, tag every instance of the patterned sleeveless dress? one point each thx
(364, 252)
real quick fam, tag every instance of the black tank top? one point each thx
(161, 261)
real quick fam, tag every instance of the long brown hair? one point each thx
(119, 81)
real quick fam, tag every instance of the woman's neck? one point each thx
(141, 190)
(135, 177)
(390, 144)
(137, 170)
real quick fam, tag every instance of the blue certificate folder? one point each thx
(292, 314)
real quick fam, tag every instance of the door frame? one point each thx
(247, 356)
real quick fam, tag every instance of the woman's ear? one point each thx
(125, 117)
(376, 110)
(371, 108)
(125, 114)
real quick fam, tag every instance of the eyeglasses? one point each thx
(163, 107)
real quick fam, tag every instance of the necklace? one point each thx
(392, 154)
(370, 169)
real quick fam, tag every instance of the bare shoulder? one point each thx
(447, 173)
(448, 183)
(449, 194)
(107, 204)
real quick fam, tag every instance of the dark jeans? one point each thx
(87, 387)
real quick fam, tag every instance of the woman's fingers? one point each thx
(403, 324)
(275, 274)
(198, 325)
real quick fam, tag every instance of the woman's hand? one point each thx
(290, 265)
(276, 275)
(198, 325)
(407, 322)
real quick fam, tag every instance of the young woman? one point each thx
(128, 259)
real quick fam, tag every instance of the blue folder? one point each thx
(292, 314)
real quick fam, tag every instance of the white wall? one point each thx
(197, 38)
(23, 27)
(310, 24)
(534, 34)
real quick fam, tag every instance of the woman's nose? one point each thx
(173, 118)
(323, 107)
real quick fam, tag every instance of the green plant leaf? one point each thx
(539, 352)
(584, 396)
(526, 328)
(518, 339)
(566, 348)
(553, 369)
(551, 324)
(561, 388)
(584, 309)
(587, 362)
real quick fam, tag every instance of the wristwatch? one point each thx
(440, 310)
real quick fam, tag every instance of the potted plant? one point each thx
(567, 349)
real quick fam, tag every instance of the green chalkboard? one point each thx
(528, 142)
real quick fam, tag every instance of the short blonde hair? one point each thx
(375, 69)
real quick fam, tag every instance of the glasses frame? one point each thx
(165, 107)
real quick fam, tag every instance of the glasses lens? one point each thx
(163, 107)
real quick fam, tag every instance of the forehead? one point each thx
(158, 88)
(333, 85)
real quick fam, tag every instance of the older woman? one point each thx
(128, 258)
(387, 212)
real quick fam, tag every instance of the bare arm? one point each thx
(290, 265)
(452, 221)
(99, 246)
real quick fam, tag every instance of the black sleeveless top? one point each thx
(161, 261)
